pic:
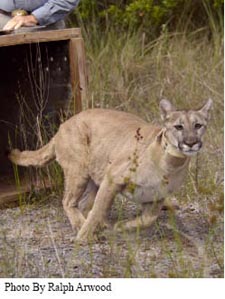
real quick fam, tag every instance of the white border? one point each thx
(121, 288)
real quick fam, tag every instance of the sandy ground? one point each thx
(37, 241)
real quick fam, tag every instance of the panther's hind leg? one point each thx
(75, 185)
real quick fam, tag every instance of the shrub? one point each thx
(150, 15)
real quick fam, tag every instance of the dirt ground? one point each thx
(37, 241)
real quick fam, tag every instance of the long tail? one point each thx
(38, 158)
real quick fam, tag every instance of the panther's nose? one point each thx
(190, 143)
(193, 145)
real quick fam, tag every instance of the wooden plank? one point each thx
(82, 68)
(39, 36)
(78, 72)
(9, 194)
(74, 77)
(10, 199)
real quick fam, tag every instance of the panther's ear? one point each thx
(165, 108)
(206, 108)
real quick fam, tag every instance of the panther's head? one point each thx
(184, 130)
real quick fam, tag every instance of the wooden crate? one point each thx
(41, 75)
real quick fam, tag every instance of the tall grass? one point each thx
(130, 73)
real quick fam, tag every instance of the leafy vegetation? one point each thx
(150, 15)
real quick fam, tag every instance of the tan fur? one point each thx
(105, 152)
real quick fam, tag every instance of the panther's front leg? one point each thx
(150, 212)
(96, 216)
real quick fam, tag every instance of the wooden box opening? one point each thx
(42, 81)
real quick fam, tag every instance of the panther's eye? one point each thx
(179, 127)
(198, 126)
